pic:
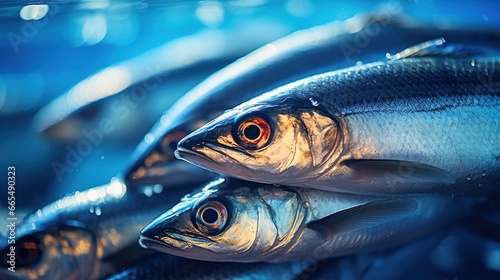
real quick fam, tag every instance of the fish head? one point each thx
(153, 161)
(266, 143)
(55, 251)
(235, 222)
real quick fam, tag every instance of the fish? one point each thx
(87, 235)
(132, 83)
(276, 63)
(164, 266)
(230, 220)
(426, 254)
(428, 124)
(322, 48)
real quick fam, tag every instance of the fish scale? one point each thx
(111, 214)
(426, 115)
(280, 224)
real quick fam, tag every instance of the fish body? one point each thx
(77, 237)
(414, 125)
(135, 81)
(239, 221)
(332, 46)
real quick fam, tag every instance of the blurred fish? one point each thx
(174, 268)
(412, 125)
(311, 51)
(239, 221)
(115, 92)
(274, 64)
(450, 254)
(87, 235)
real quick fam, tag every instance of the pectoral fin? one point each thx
(394, 170)
(364, 216)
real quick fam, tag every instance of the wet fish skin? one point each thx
(376, 265)
(416, 125)
(162, 266)
(278, 224)
(77, 237)
(311, 51)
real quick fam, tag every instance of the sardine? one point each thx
(311, 51)
(128, 83)
(445, 254)
(413, 125)
(87, 235)
(239, 221)
(277, 63)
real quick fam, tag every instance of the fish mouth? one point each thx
(169, 174)
(197, 155)
(152, 243)
(187, 154)
(176, 244)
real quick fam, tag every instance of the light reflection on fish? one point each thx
(311, 51)
(239, 221)
(444, 254)
(414, 125)
(87, 235)
(121, 90)
(281, 61)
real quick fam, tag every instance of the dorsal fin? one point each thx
(434, 48)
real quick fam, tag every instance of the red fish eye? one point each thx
(254, 132)
(211, 217)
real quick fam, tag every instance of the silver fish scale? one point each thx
(397, 85)
(420, 110)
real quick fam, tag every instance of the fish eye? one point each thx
(169, 142)
(252, 132)
(211, 217)
(29, 250)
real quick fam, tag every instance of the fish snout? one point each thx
(191, 142)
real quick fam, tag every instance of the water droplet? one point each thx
(469, 177)
(485, 18)
(480, 184)
(98, 211)
(483, 173)
(157, 188)
(149, 138)
(91, 209)
(472, 63)
(314, 102)
(102, 157)
(148, 191)
(359, 63)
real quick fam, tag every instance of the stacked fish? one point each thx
(359, 159)
(348, 163)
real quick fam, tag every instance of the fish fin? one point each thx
(397, 169)
(364, 216)
(435, 48)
